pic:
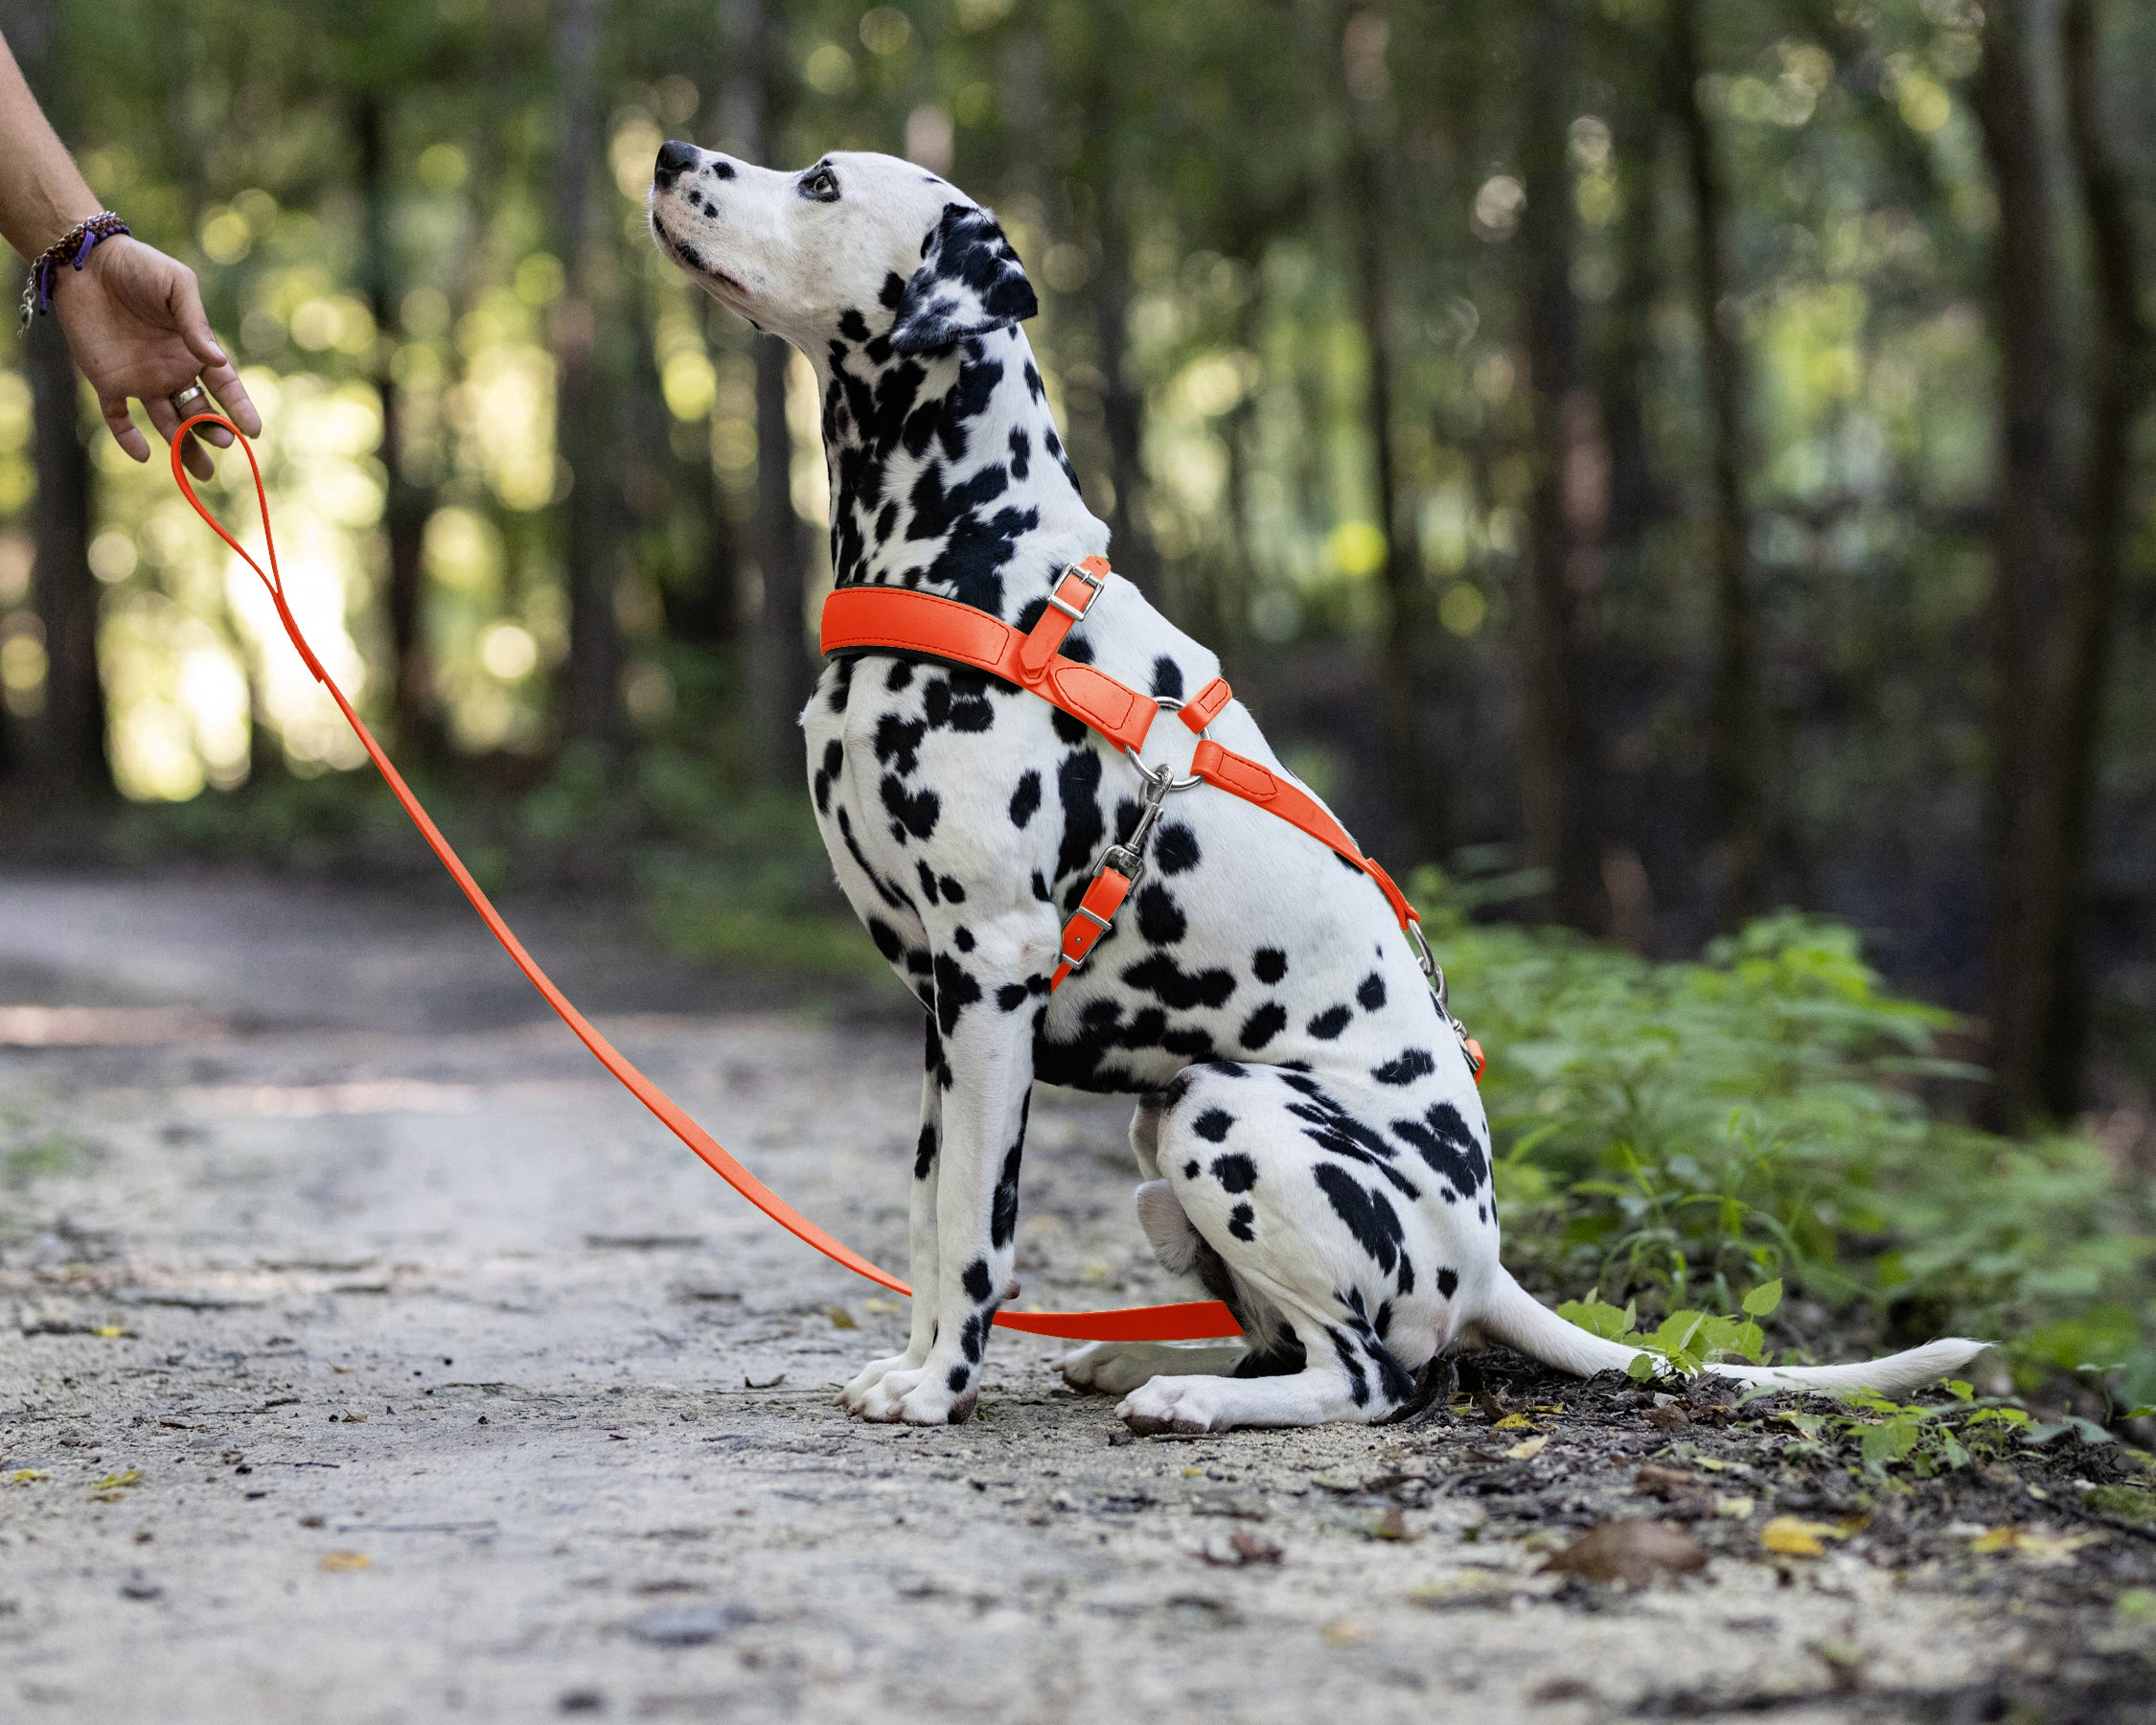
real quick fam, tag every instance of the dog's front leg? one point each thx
(921, 1234)
(988, 1052)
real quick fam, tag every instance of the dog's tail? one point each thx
(1515, 1318)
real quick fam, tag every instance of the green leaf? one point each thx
(1763, 1298)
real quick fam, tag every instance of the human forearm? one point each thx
(42, 193)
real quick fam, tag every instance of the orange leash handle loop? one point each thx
(1188, 1321)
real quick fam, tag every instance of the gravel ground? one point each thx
(368, 1355)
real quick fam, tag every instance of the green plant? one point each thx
(1685, 1342)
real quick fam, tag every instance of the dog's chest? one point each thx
(956, 809)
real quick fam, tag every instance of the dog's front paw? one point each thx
(854, 1397)
(922, 1395)
(1171, 1404)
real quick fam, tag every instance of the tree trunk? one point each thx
(1557, 768)
(415, 715)
(1736, 762)
(69, 754)
(2118, 392)
(774, 603)
(2026, 553)
(591, 682)
(1122, 408)
(1420, 795)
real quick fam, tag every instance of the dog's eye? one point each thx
(820, 184)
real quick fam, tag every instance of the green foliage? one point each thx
(1675, 1133)
(1887, 1435)
(1685, 1342)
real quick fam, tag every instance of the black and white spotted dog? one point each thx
(1308, 1131)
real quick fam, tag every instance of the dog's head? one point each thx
(856, 245)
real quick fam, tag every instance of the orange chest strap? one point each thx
(898, 618)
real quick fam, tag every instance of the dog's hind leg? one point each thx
(921, 1236)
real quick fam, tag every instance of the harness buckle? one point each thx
(1161, 780)
(1092, 583)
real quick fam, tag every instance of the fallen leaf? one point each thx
(28, 1476)
(1635, 1550)
(878, 1306)
(110, 1331)
(2035, 1546)
(1664, 1479)
(345, 1561)
(354, 1420)
(1737, 1507)
(1527, 1448)
(1793, 1536)
(1669, 1417)
(114, 1481)
(1515, 1422)
(841, 1318)
(1243, 1549)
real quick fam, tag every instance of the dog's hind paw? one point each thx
(1166, 1404)
(1117, 1368)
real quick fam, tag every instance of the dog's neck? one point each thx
(948, 472)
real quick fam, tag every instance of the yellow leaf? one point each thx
(108, 1497)
(878, 1306)
(28, 1476)
(113, 1482)
(1736, 1508)
(1515, 1422)
(841, 1318)
(1993, 1539)
(2034, 1545)
(1548, 1408)
(109, 1330)
(347, 1560)
(1795, 1537)
(1526, 1448)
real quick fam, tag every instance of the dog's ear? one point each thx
(970, 282)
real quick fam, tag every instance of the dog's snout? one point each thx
(675, 158)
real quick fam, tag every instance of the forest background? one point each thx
(1657, 464)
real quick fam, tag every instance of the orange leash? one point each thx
(1188, 1321)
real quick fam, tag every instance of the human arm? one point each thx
(132, 316)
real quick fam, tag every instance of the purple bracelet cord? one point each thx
(74, 247)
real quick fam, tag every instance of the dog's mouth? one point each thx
(692, 259)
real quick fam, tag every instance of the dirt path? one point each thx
(369, 1356)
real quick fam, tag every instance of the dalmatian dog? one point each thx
(1308, 1133)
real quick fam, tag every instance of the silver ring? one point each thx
(192, 392)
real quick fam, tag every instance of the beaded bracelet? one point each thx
(73, 249)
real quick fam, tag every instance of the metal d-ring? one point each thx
(1167, 704)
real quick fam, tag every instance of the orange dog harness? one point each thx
(900, 620)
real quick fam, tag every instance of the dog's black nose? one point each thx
(675, 158)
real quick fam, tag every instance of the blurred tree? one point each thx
(584, 424)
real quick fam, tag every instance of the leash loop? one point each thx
(1184, 1321)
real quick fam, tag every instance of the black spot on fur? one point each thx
(1411, 1064)
(1263, 1025)
(1371, 995)
(911, 812)
(975, 1280)
(1161, 920)
(1239, 1220)
(1003, 1213)
(1181, 990)
(1329, 1024)
(1269, 964)
(960, 1376)
(1167, 679)
(886, 939)
(1444, 1141)
(1175, 848)
(1448, 1282)
(1235, 1171)
(1011, 995)
(956, 991)
(1213, 1125)
(1026, 800)
(1369, 1216)
(1084, 826)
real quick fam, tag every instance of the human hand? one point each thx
(134, 322)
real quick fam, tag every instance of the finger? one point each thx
(224, 384)
(123, 427)
(166, 417)
(216, 367)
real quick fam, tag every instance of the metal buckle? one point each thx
(1434, 974)
(1075, 612)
